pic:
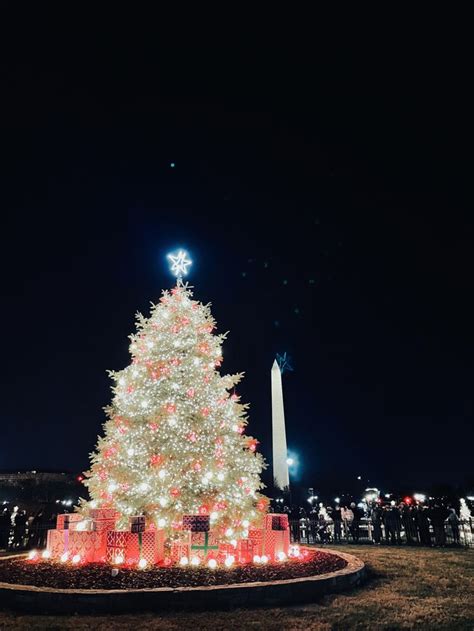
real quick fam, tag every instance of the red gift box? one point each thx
(85, 524)
(204, 544)
(127, 545)
(181, 548)
(226, 549)
(63, 521)
(103, 513)
(245, 551)
(196, 523)
(90, 545)
(256, 536)
(103, 524)
(276, 541)
(276, 521)
(57, 542)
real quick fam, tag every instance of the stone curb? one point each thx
(91, 601)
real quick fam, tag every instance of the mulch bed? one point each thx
(98, 576)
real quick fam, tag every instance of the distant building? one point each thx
(39, 487)
(17, 478)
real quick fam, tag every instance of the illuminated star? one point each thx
(179, 263)
(284, 361)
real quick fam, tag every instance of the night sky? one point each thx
(322, 192)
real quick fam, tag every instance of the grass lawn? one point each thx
(408, 588)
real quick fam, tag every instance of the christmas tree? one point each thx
(174, 441)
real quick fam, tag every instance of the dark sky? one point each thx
(322, 191)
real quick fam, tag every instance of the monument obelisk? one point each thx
(281, 478)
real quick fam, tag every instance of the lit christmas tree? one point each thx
(174, 441)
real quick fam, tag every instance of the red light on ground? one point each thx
(408, 500)
(80, 478)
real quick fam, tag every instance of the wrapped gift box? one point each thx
(63, 522)
(57, 542)
(137, 523)
(180, 549)
(196, 523)
(256, 537)
(90, 545)
(275, 541)
(84, 524)
(245, 551)
(103, 513)
(275, 521)
(127, 544)
(103, 524)
(226, 549)
(204, 544)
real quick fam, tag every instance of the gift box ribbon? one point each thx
(206, 545)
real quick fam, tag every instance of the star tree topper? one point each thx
(179, 263)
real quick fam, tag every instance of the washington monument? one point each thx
(280, 466)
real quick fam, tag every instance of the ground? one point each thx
(408, 588)
(97, 575)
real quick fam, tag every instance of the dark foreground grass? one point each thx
(408, 588)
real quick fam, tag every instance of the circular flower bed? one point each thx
(99, 576)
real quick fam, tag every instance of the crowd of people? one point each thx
(391, 523)
(18, 530)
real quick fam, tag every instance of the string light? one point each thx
(76, 558)
(33, 554)
(142, 564)
(46, 554)
(212, 564)
(229, 561)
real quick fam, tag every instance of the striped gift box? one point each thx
(133, 546)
